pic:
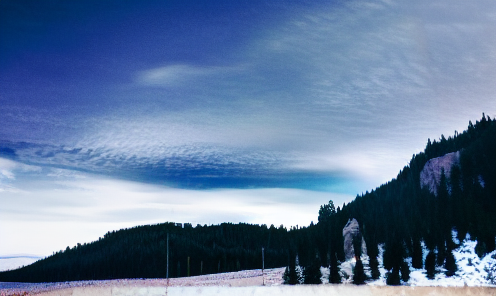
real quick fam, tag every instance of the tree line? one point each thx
(398, 215)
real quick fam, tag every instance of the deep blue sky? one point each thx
(259, 106)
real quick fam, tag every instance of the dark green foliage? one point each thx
(359, 276)
(290, 276)
(357, 246)
(334, 276)
(450, 264)
(481, 249)
(399, 214)
(285, 276)
(393, 277)
(372, 252)
(140, 252)
(374, 268)
(326, 211)
(441, 255)
(312, 274)
(417, 254)
(405, 271)
(430, 265)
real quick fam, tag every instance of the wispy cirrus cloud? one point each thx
(327, 82)
(180, 74)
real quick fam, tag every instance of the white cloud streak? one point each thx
(179, 75)
(355, 88)
(48, 214)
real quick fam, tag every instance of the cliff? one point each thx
(430, 175)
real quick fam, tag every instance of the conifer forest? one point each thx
(399, 215)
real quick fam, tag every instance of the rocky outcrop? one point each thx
(350, 231)
(431, 173)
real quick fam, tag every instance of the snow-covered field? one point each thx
(472, 278)
(16, 261)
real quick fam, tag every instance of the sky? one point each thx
(122, 113)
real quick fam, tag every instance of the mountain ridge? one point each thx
(399, 214)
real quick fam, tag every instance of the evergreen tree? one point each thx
(374, 268)
(359, 276)
(326, 211)
(334, 276)
(481, 248)
(312, 274)
(450, 264)
(393, 277)
(290, 276)
(441, 254)
(417, 254)
(430, 265)
(285, 276)
(405, 271)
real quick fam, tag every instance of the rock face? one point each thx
(431, 173)
(350, 231)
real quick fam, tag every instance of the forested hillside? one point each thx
(399, 214)
(141, 252)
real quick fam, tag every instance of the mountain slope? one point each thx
(400, 215)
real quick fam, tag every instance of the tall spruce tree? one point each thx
(393, 277)
(392, 258)
(417, 254)
(450, 264)
(334, 276)
(359, 276)
(405, 271)
(430, 265)
(374, 268)
(290, 276)
(312, 274)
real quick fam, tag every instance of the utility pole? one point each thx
(188, 267)
(263, 266)
(167, 273)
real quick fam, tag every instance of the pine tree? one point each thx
(393, 277)
(334, 276)
(291, 276)
(450, 264)
(374, 268)
(430, 265)
(285, 276)
(359, 276)
(441, 253)
(405, 271)
(417, 254)
(312, 274)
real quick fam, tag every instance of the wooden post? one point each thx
(263, 266)
(188, 267)
(167, 273)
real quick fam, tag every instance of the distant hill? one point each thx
(15, 261)
(402, 216)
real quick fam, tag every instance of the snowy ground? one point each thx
(472, 270)
(16, 261)
(246, 278)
